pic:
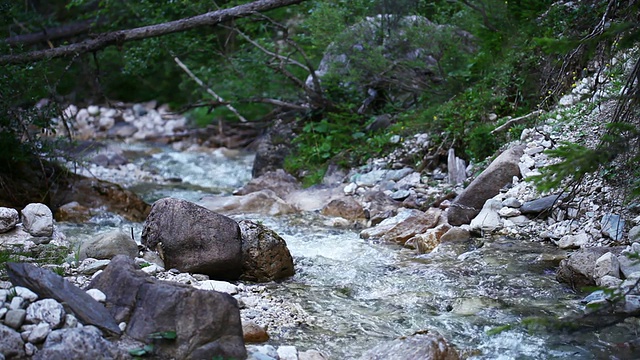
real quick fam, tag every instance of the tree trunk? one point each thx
(119, 37)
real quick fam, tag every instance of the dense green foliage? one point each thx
(489, 59)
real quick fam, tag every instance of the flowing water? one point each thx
(361, 293)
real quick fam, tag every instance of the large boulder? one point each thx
(419, 346)
(193, 239)
(265, 256)
(402, 227)
(407, 51)
(487, 185)
(108, 245)
(37, 220)
(207, 323)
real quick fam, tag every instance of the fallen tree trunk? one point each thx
(45, 35)
(120, 37)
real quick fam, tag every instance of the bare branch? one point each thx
(60, 32)
(275, 102)
(265, 50)
(514, 121)
(122, 36)
(208, 89)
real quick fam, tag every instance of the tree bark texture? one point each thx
(120, 37)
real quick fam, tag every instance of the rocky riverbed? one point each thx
(423, 215)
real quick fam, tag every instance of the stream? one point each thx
(361, 293)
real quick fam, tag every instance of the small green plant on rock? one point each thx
(154, 339)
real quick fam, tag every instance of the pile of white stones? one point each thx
(27, 322)
(138, 122)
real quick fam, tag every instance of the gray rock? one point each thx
(97, 295)
(541, 205)
(207, 323)
(608, 282)
(511, 202)
(279, 181)
(265, 256)
(15, 318)
(373, 177)
(49, 285)
(607, 265)
(194, 239)
(488, 184)
(345, 207)
(509, 212)
(37, 220)
(455, 234)
(631, 304)
(90, 266)
(273, 148)
(405, 225)
(573, 241)
(634, 234)
(488, 219)
(122, 130)
(400, 195)
(612, 226)
(93, 110)
(260, 202)
(420, 346)
(17, 302)
(287, 352)
(410, 181)
(78, 344)
(39, 333)
(71, 321)
(595, 296)
(520, 220)
(628, 265)
(48, 311)
(9, 218)
(577, 269)
(311, 355)
(268, 350)
(456, 168)
(139, 110)
(215, 285)
(11, 344)
(25, 293)
(30, 349)
(108, 245)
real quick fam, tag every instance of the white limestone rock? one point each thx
(48, 311)
(488, 219)
(37, 220)
(607, 265)
(9, 218)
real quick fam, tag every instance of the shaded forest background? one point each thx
(515, 58)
